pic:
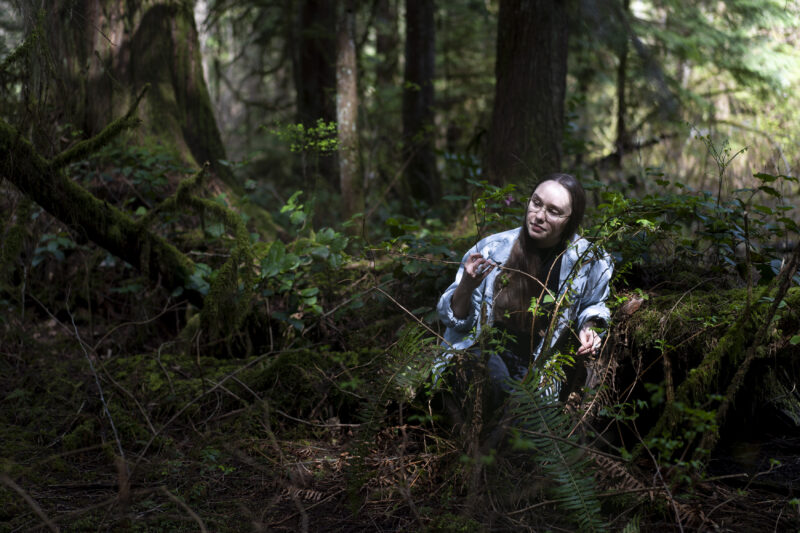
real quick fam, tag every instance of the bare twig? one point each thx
(83, 346)
(663, 482)
(99, 387)
(423, 324)
(315, 424)
(199, 397)
(130, 395)
(167, 309)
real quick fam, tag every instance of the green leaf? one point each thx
(794, 341)
(646, 223)
(310, 291)
(216, 229)
(769, 190)
(765, 177)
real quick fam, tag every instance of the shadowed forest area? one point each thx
(225, 226)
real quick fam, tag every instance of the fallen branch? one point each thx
(46, 183)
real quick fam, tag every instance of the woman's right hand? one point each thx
(476, 268)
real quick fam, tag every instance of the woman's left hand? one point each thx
(590, 341)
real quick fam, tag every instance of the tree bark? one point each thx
(105, 50)
(386, 42)
(531, 68)
(350, 181)
(622, 71)
(315, 74)
(418, 95)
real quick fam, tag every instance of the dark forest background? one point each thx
(225, 225)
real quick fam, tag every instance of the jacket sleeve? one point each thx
(445, 309)
(592, 305)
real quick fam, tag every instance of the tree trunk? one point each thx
(106, 50)
(531, 68)
(386, 42)
(347, 114)
(622, 71)
(418, 112)
(315, 76)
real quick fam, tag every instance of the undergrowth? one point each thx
(321, 411)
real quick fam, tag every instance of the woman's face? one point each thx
(549, 209)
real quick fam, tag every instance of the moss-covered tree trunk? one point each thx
(106, 50)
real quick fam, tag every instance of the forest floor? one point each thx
(275, 443)
(113, 418)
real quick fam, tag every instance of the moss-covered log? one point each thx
(707, 342)
(46, 183)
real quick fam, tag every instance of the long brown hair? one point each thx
(513, 291)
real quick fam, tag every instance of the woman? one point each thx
(502, 274)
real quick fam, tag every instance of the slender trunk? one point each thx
(350, 182)
(622, 66)
(386, 42)
(315, 75)
(418, 111)
(531, 68)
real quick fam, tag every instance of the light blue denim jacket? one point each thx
(585, 272)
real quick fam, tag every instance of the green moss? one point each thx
(676, 317)
(450, 523)
(719, 326)
(83, 435)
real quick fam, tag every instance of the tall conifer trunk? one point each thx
(386, 42)
(622, 73)
(531, 67)
(106, 50)
(418, 111)
(315, 75)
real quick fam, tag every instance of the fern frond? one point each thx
(544, 427)
(404, 371)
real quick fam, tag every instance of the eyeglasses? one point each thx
(551, 213)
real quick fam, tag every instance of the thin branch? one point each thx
(83, 346)
(89, 146)
(99, 387)
(136, 323)
(201, 396)
(315, 424)
(423, 324)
